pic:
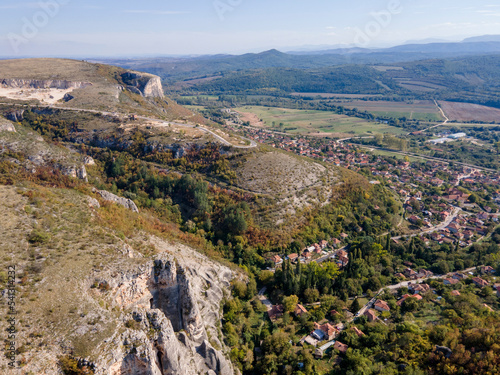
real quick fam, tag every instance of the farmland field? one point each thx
(470, 112)
(333, 95)
(321, 123)
(424, 110)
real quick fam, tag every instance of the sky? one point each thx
(126, 28)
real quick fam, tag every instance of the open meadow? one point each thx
(311, 122)
(423, 110)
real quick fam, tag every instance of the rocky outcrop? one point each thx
(74, 171)
(7, 127)
(41, 84)
(88, 160)
(146, 85)
(110, 197)
(16, 116)
(173, 307)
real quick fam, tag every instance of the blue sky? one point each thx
(89, 28)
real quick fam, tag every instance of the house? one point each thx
(480, 282)
(293, 257)
(336, 242)
(468, 234)
(276, 259)
(459, 276)
(300, 310)
(399, 275)
(357, 331)
(344, 236)
(381, 306)
(341, 253)
(306, 255)
(409, 273)
(424, 273)
(450, 281)
(340, 347)
(371, 315)
(419, 288)
(454, 228)
(323, 244)
(455, 293)
(275, 312)
(435, 236)
(329, 331)
(318, 334)
(487, 269)
(343, 261)
(414, 219)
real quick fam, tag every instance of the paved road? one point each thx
(425, 157)
(404, 284)
(436, 228)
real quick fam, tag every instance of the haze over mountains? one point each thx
(177, 67)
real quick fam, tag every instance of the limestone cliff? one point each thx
(143, 84)
(175, 307)
(42, 84)
(142, 305)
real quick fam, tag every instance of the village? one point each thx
(420, 286)
(448, 217)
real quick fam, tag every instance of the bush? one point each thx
(69, 366)
(37, 237)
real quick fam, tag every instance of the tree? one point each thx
(266, 277)
(355, 306)
(311, 295)
(290, 303)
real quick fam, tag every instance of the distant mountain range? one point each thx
(205, 66)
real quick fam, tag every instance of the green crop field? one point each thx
(313, 122)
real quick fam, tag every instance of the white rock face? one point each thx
(42, 84)
(125, 202)
(153, 88)
(174, 305)
(88, 160)
(7, 127)
(144, 84)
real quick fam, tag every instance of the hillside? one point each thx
(79, 84)
(125, 231)
(178, 69)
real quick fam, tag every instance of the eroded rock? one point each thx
(110, 197)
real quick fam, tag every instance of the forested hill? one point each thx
(191, 67)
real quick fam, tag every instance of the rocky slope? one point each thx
(42, 84)
(80, 84)
(134, 305)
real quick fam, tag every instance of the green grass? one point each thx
(423, 110)
(388, 153)
(309, 121)
(409, 115)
